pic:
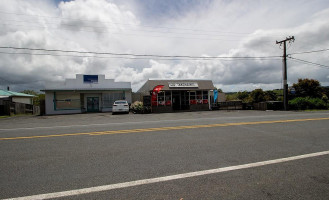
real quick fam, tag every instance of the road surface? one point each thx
(192, 155)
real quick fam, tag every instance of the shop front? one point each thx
(178, 95)
(86, 93)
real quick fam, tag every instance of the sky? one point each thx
(237, 38)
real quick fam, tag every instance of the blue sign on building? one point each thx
(90, 78)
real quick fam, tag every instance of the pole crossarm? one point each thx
(287, 39)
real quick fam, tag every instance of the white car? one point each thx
(120, 106)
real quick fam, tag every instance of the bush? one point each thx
(303, 103)
(137, 106)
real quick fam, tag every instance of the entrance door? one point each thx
(180, 100)
(185, 100)
(176, 100)
(92, 104)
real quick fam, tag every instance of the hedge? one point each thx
(303, 103)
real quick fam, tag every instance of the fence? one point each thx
(230, 105)
(14, 108)
(238, 105)
(269, 105)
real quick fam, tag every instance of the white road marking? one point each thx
(166, 178)
(156, 121)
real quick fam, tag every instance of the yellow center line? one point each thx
(165, 128)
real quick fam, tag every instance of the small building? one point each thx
(16, 103)
(86, 93)
(178, 95)
(15, 97)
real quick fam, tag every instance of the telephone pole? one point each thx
(284, 69)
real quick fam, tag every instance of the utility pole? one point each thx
(284, 69)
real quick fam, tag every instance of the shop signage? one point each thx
(90, 78)
(183, 84)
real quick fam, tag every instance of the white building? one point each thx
(86, 93)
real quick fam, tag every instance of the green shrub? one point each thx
(137, 106)
(303, 103)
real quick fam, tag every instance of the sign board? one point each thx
(90, 78)
(183, 84)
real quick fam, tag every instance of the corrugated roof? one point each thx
(15, 94)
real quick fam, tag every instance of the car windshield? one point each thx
(120, 102)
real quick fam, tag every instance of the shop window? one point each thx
(205, 97)
(199, 97)
(168, 98)
(109, 98)
(193, 99)
(67, 101)
(192, 95)
(161, 98)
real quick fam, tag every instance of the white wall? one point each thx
(128, 96)
(26, 100)
(49, 100)
(78, 84)
(89, 90)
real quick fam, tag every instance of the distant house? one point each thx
(16, 97)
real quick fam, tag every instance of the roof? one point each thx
(14, 94)
(200, 85)
(85, 89)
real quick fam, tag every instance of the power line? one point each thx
(220, 34)
(315, 51)
(308, 62)
(122, 33)
(141, 58)
(135, 25)
(140, 55)
(135, 30)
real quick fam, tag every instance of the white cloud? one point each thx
(219, 28)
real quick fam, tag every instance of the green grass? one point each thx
(6, 116)
(18, 115)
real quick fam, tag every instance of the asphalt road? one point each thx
(78, 153)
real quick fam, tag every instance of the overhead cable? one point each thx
(139, 55)
(314, 51)
(308, 62)
(127, 24)
(141, 58)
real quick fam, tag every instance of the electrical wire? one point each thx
(140, 55)
(308, 62)
(314, 51)
(144, 57)
(123, 33)
(134, 30)
(138, 25)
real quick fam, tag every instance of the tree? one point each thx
(257, 95)
(31, 92)
(308, 88)
(38, 97)
(244, 97)
(270, 96)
